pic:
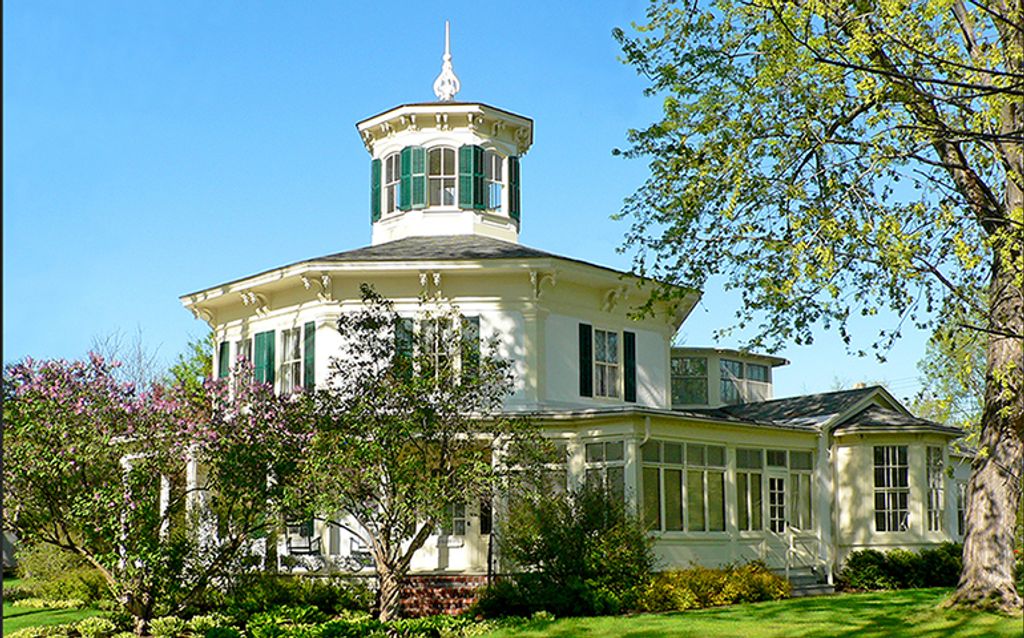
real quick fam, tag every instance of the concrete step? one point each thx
(817, 589)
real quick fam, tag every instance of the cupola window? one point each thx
(392, 182)
(494, 175)
(441, 176)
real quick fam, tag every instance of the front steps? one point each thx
(806, 582)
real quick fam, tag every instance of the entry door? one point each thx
(777, 504)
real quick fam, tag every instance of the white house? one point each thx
(691, 437)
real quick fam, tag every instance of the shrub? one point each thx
(43, 631)
(940, 567)
(199, 625)
(222, 632)
(581, 554)
(168, 627)
(56, 574)
(900, 569)
(96, 627)
(696, 587)
(754, 582)
(256, 593)
(46, 603)
(865, 569)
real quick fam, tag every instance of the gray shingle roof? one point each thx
(441, 248)
(810, 409)
(878, 418)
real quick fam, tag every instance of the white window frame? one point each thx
(730, 378)
(604, 368)
(746, 499)
(935, 480)
(392, 183)
(685, 467)
(295, 364)
(891, 516)
(447, 183)
(681, 374)
(610, 472)
(494, 180)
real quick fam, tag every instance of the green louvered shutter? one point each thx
(309, 356)
(405, 179)
(403, 347)
(224, 360)
(375, 190)
(629, 361)
(513, 188)
(419, 176)
(470, 347)
(466, 176)
(479, 181)
(264, 355)
(586, 359)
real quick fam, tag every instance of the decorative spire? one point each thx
(446, 85)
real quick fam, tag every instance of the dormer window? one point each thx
(392, 182)
(441, 176)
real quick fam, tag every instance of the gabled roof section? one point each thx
(875, 418)
(810, 409)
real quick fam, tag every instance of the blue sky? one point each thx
(155, 148)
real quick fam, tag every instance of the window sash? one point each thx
(892, 492)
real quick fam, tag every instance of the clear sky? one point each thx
(155, 148)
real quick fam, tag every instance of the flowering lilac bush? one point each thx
(161, 489)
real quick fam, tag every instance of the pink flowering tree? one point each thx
(163, 490)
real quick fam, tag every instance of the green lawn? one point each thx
(877, 615)
(16, 618)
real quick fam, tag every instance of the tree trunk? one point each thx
(994, 490)
(389, 592)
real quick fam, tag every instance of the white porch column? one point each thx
(824, 502)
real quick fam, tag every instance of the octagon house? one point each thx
(692, 438)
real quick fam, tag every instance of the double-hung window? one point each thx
(892, 489)
(291, 359)
(936, 478)
(961, 508)
(731, 381)
(606, 363)
(689, 380)
(441, 176)
(392, 182)
(436, 355)
(454, 521)
(801, 464)
(606, 466)
(749, 489)
(494, 179)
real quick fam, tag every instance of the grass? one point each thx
(876, 615)
(16, 618)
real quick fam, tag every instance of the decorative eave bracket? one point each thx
(538, 279)
(203, 313)
(256, 299)
(321, 284)
(613, 297)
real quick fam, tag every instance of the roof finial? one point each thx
(446, 85)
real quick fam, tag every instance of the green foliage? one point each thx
(43, 631)
(901, 569)
(201, 624)
(56, 574)
(255, 593)
(222, 632)
(96, 627)
(168, 627)
(399, 434)
(49, 603)
(698, 587)
(583, 555)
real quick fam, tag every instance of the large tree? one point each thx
(406, 427)
(97, 467)
(832, 159)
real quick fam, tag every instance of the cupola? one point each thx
(445, 167)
